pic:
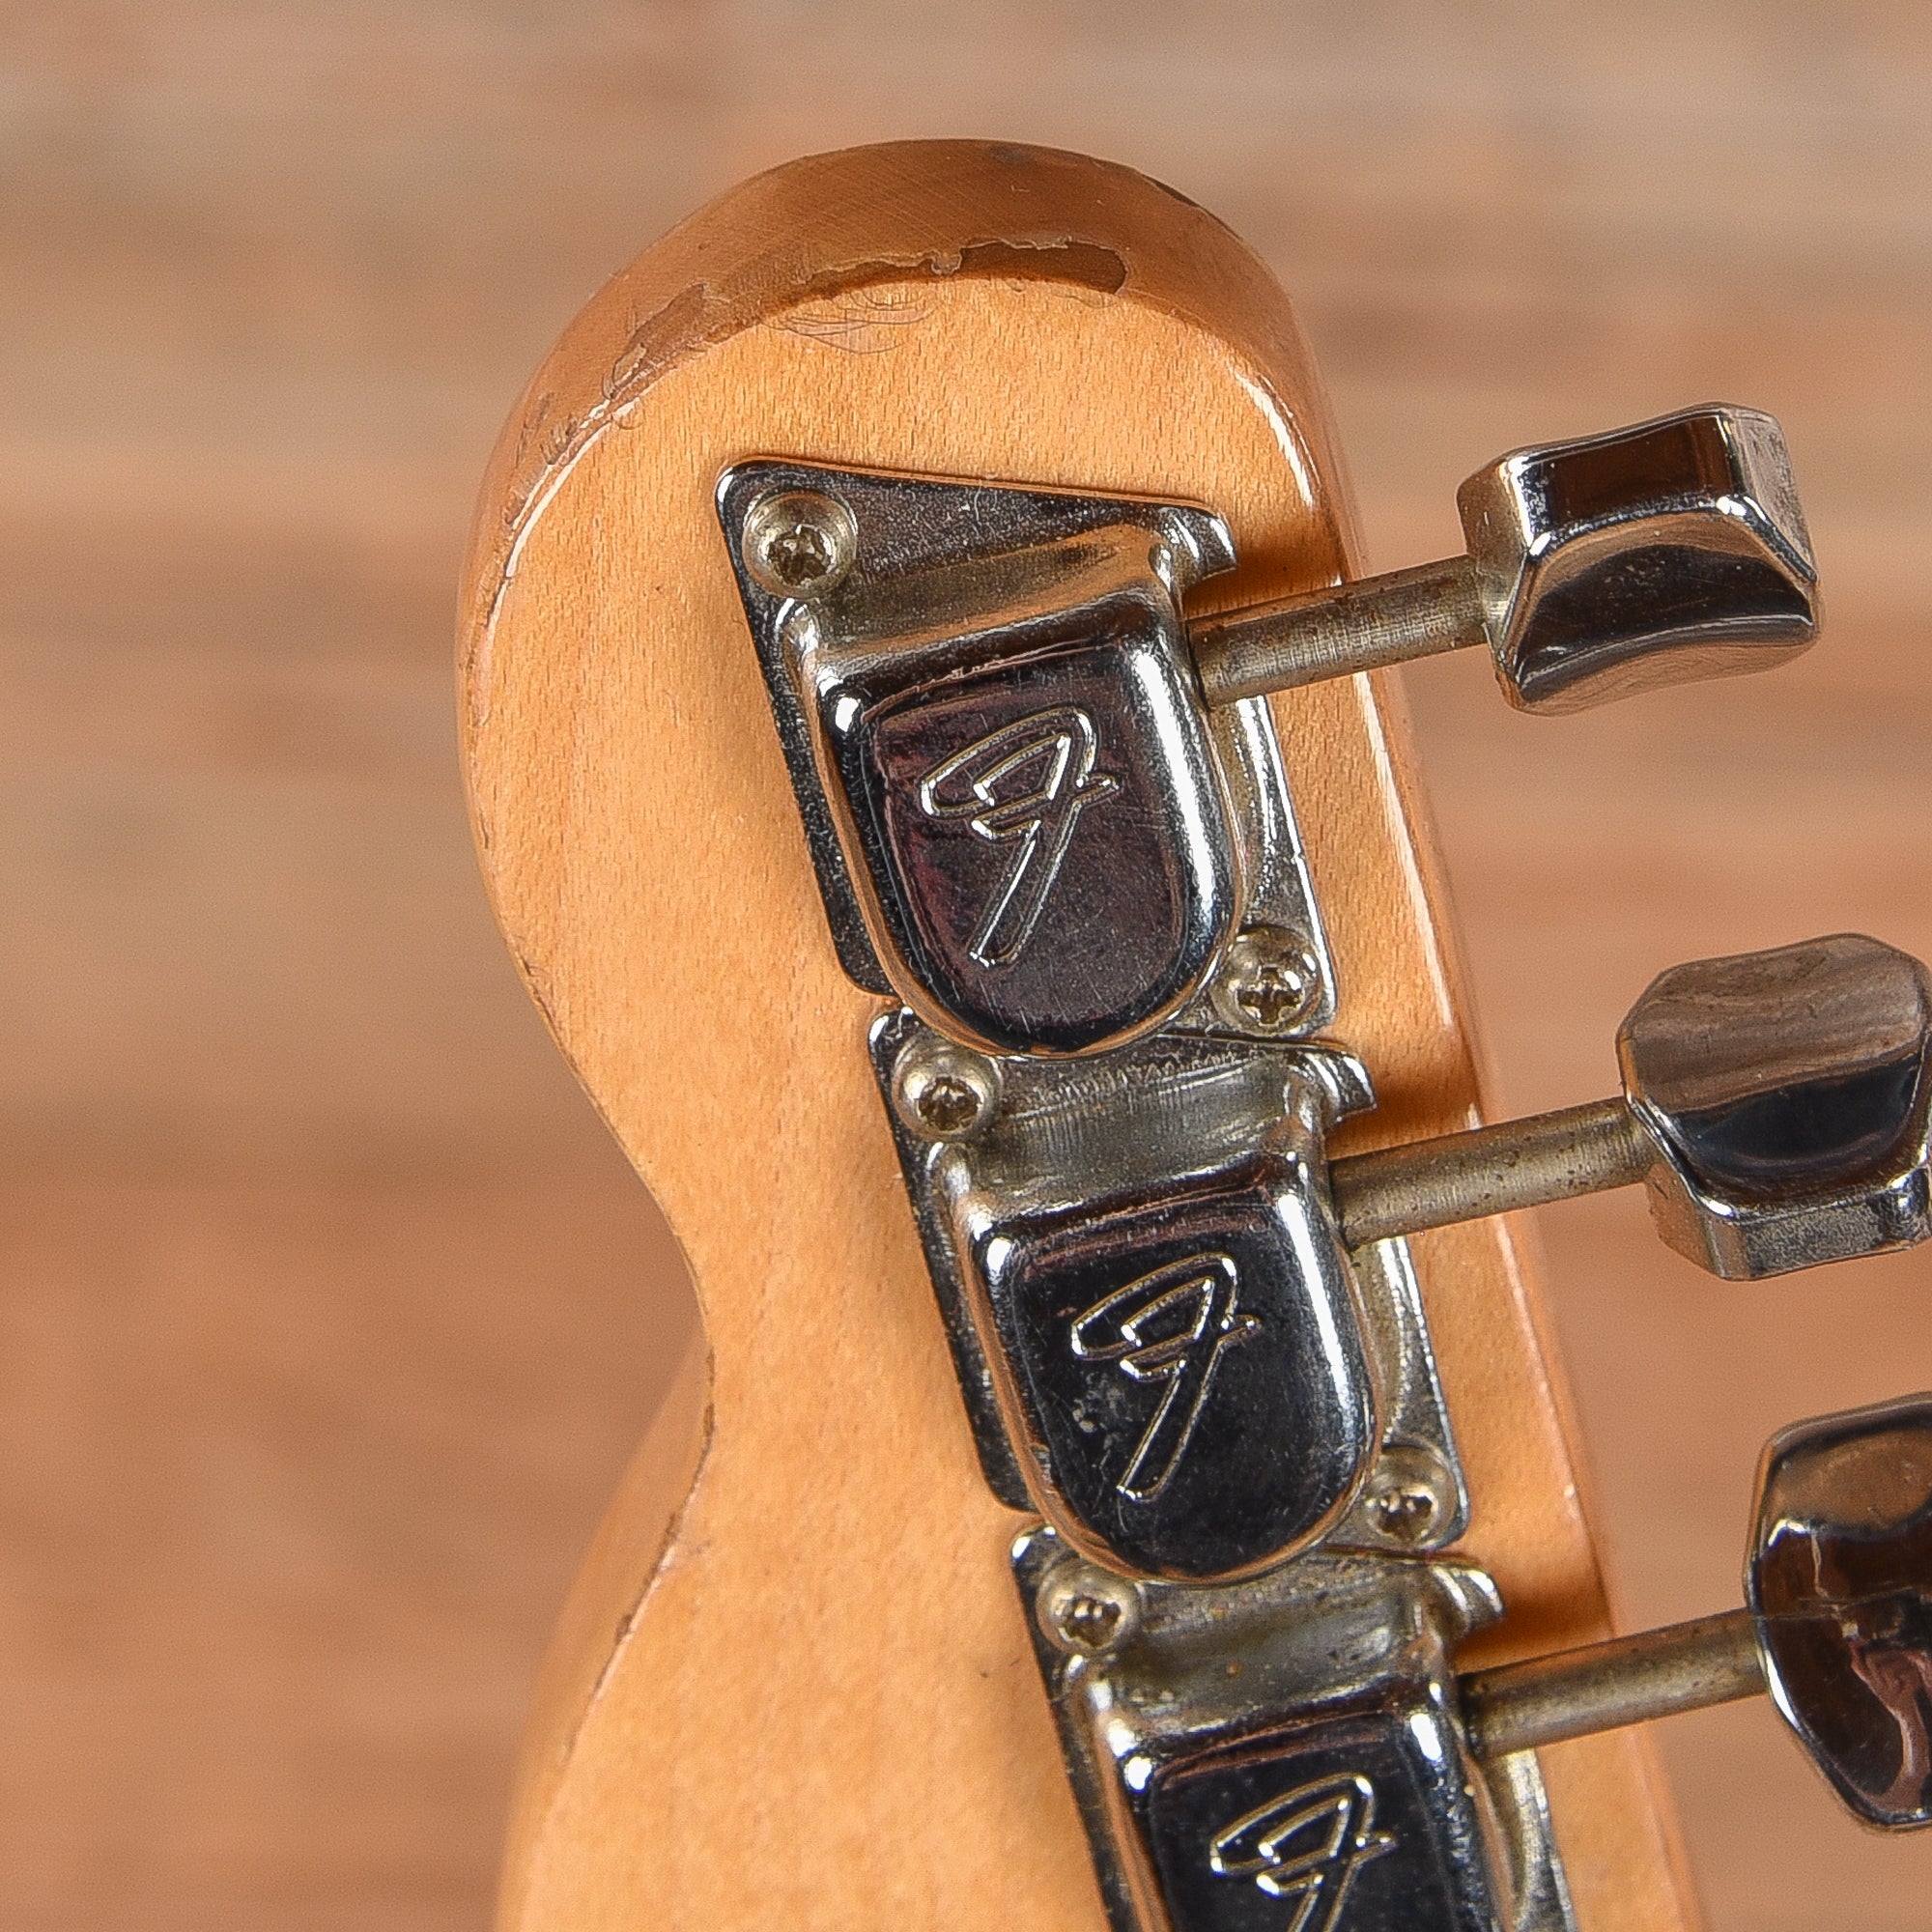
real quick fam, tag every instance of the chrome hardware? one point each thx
(1411, 1500)
(1840, 1586)
(1604, 1687)
(1494, 1169)
(1838, 1626)
(1023, 820)
(1777, 1105)
(1166, 1349)
(1305, 1730)
(1658, 554)
(797, 542)
(1024, 817)
(1086, 1610)
(1788, 1097)
(1267, 983)
(943, 1092)
(1054, 819)
(1267, 1753)
(1021, 807)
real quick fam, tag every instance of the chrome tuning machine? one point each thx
(1777, 1105)
(1658, 554)
(1045, 802)
(1836, 1627)
(1053, 816)
(1245, 1746)
(1185, 1318)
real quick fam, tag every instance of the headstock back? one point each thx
(795, 1681)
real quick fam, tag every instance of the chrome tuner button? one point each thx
(1839, 1584)
(1657, 555)
(1777, 1105)
(1787, 1097)
(1838, 1624)
(1652, 555)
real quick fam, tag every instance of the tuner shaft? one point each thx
(1604, 1687)
(1670, 551)
(1402, 1190)
(1819, 1051)
(1323, 634)
(1835, 1625)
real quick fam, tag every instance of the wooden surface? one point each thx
(738, 1692)
(330, 1317)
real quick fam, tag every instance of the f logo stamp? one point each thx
(1306, 1846)
(1024, 784)
(1170, 1328)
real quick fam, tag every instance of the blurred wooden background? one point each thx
(327, 1315)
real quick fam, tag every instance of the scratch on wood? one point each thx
(656, 340)
(860, 323)
(828, 304)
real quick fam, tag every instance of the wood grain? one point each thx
(330, 1316)
(822, 1673)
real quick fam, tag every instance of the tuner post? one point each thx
(1778, 1106)
(1836, 1627)
(1602, 1687)
(1365, 625)
(1659, 555)
(1493, 1170)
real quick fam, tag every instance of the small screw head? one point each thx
(799, 544)
(1412, 1497)
(943, 1092)
(1268, 983)
(1088, 1611)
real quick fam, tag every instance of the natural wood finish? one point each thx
(822, 1709)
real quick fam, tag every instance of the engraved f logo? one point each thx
(1026, 783)
(1306, 1845)
(1169, 1326)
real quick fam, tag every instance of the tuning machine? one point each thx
(1777, 1105)
(1190, 1338)
(1671, 550)
(1042, 802)
(1305, 1736)
(1838, 1624)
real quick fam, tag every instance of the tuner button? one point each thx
(1653, 555)
(1787, 1096)
(1840, 1584)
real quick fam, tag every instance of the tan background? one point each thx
(327, 1315)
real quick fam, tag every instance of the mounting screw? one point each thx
(1411, 1496)
(799, 544)
(1085, 1610)
(1268, 981)
(942, 1092)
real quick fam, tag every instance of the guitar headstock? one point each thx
(913, 727)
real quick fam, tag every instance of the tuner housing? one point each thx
(1025, 821)
(1163, 1347)
(1247, 1749)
